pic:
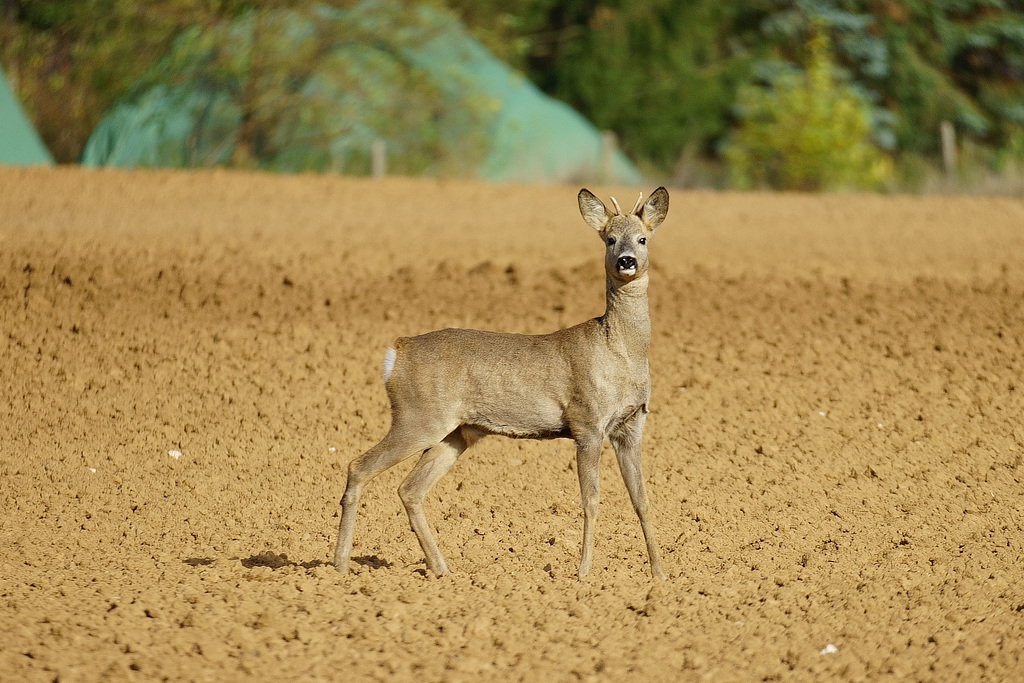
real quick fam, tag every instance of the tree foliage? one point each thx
(921, 62)
(808, 131)
(665, 75)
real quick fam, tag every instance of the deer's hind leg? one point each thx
(401, 442)
(626, 442)
(432, 465)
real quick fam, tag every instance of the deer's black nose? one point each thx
(626, 263)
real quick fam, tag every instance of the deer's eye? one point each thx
(611, 241)
(642, 240)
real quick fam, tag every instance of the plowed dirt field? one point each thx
(188, 361)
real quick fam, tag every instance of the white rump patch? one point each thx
(389, 362)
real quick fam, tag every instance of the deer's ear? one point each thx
(655, 209)
(593, 210)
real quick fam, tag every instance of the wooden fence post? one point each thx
(608, 144)
(378, 159)
(947, 133)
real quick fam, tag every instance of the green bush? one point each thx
(808, 131)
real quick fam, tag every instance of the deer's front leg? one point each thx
(626, 442)
(588, 462)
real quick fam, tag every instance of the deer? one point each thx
(590, 382)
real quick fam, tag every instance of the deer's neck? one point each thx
(627, 319)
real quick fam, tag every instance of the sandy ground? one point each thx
(835, 454)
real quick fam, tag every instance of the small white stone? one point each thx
(879, 425)
(822, 413)
(93, 470)
(331, 449)
(174, 454)
(829, 649)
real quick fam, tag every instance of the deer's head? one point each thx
(625, 235)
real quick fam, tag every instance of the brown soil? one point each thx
(834, 454)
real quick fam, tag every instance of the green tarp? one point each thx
(533, 137)
(19, 143)
(527, 136)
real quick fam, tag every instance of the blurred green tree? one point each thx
(961, 60)
(808, 131)
(920, 62)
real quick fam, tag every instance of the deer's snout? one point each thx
(626, 265)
